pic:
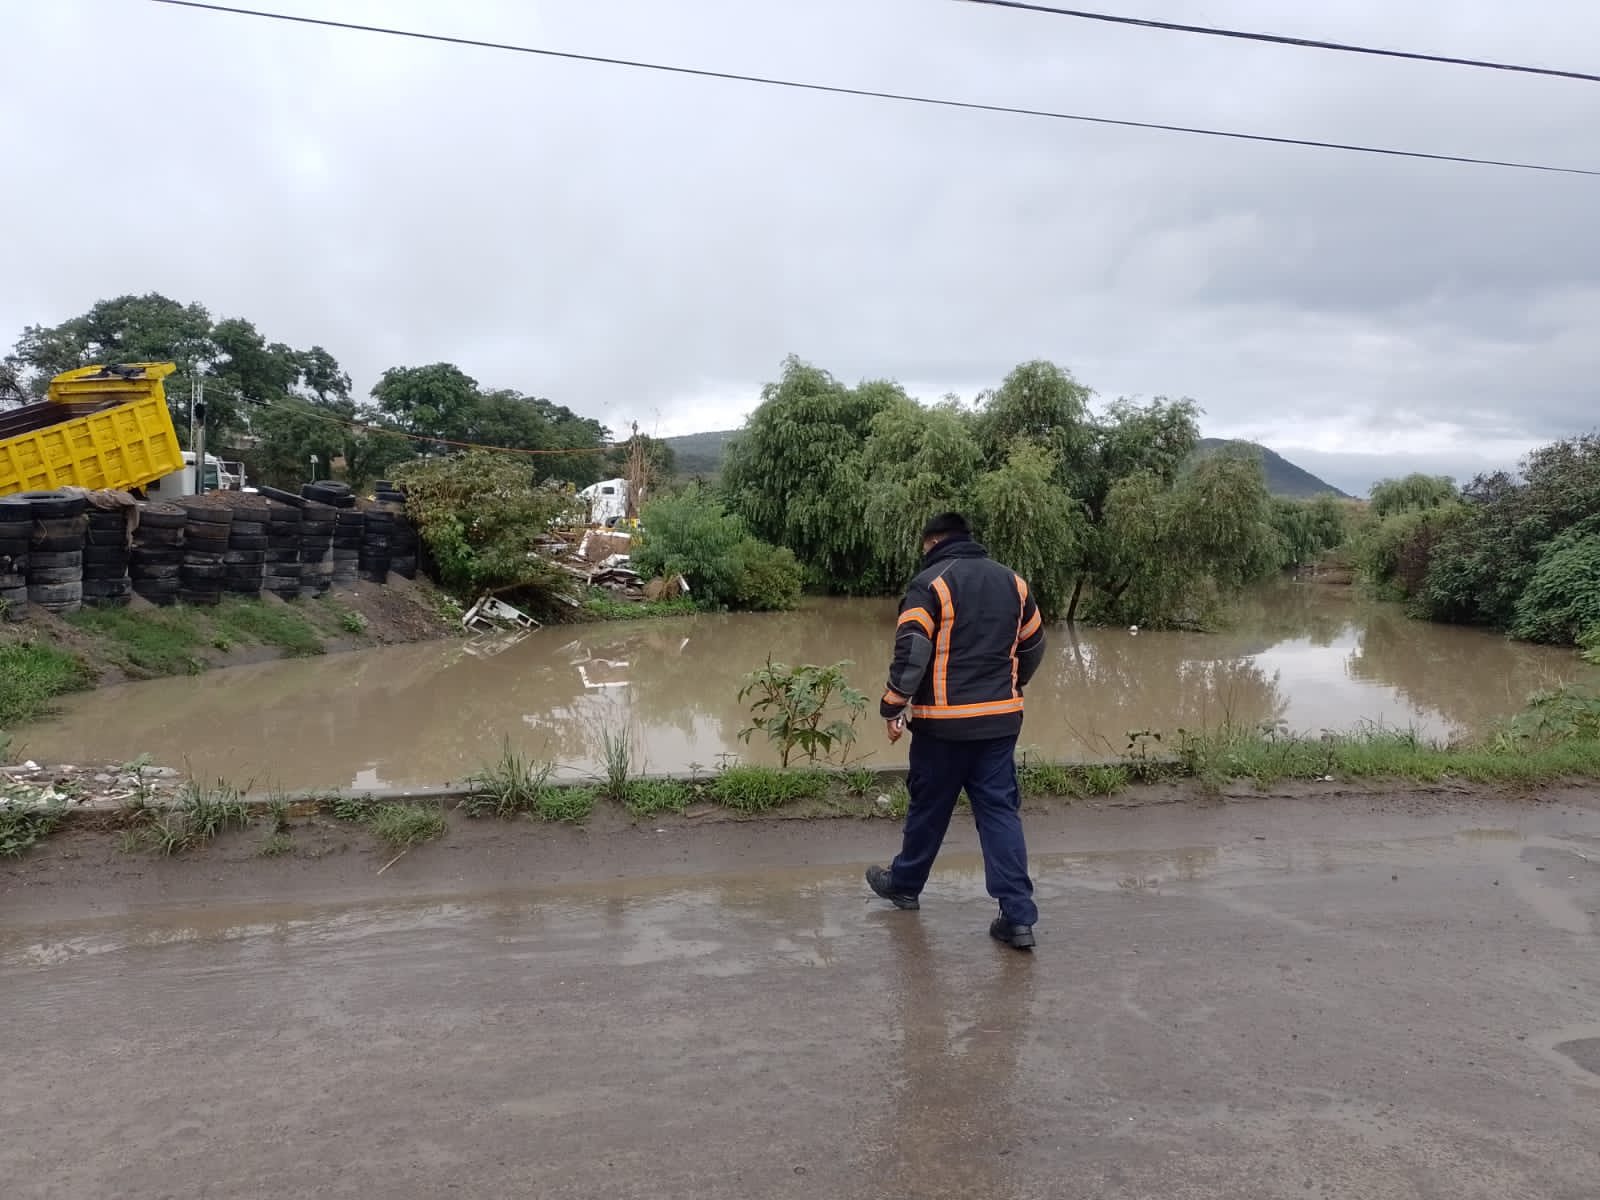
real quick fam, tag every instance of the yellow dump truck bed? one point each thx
(101, 427)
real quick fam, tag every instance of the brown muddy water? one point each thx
(1311, 656)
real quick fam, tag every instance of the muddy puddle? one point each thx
(1310, 656)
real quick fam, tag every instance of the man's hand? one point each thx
(897, 729)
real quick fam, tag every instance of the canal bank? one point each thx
(1301, 657)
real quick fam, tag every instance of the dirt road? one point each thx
(1331, 999)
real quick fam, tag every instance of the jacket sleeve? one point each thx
(913, 648)
(1030, 642)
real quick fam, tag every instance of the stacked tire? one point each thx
(155, 565)
(245, 563)
(317, 524)
(55, 554)
(107, 557)
(349, 529)
(205, 552)
(377, 546)
(330, 492)
(16, 542)
(281, 574)
(385, 492)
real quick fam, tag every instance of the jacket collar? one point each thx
(959, 545)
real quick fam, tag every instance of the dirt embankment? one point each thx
(143, 641)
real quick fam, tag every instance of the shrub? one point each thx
(1562, 601)
(807, 708)
(692, 535)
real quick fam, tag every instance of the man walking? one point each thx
(968, 640)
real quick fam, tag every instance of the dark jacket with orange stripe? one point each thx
(968, 640)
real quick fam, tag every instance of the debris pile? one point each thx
(601, 558)
(29, 785)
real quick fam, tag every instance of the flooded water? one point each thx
(1311, 656)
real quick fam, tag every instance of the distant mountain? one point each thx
(701, 454)
(1283, 477)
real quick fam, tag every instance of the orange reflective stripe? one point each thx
(1033, 626)
(890, 696)
(1022, 607)
(941, 651)
(994, 708)
(921, 616)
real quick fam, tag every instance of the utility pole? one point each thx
(200, 435)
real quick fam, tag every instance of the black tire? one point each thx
(107, 587)
(51, 576)
(107, 540)
(316, 529)
(105, 574)
(47, 506)
(281, 496)
(10, 581)
(406, 568)
(155, 556)
(283, 514)
(250, 543)
(15, 531)
(107, 518)
(248, 529)
(200, 599)
(158, 537)
(206, 546)
(284, 554)
(245, 557)
(208, 558)
(154, 574)
(11, 548)
(48, 595)
(157, 587)
(193, 572)
(106, 554)
(372, 576)
(200, 508)
(162, 516)
(60, 558)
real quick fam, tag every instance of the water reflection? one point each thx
(1312, 656)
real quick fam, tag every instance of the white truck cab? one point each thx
(219, 477)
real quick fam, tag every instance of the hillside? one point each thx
(1283, 477)
(701, 454)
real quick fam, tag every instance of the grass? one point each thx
(1056, 779)
(605, 607)
(402, 826)
(616, 759)
(277, 845)
(512, 784)
(199, 814)
(24, 826)
(859, 781)
(761, 789)
(569, 804)
(652, 797)
(33, 675)
(144, 643)
(241, 620)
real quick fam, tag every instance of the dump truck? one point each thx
(98, 427)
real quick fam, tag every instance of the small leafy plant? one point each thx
(810, 709)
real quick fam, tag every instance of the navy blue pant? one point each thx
(987, 769)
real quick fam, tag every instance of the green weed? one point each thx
(605, 607)
(354, 809)
(1104, 781)
(859, 781)
(208, 811)
(511, 784)
(899, 801)
(761, 789)
(352, 622)
(277, 844)
(32, 675)
(145, 643)
(23, 826)
(616, 758)
(402, 826)
(1046, 779)
(570, 804)
(651, 797)
(266, 624)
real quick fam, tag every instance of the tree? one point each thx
(1414, 493)
(1031, 525)
(796, 474)
(439, 401)
(917, 461)
(1562, 601)
(693, 535)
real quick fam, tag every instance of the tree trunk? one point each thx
(1077, 595)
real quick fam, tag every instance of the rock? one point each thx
(104, 779)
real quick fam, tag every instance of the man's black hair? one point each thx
(946, 524)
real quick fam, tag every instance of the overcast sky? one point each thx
(639, 246)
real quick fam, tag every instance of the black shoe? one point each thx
(1018, 937)
(878, 881)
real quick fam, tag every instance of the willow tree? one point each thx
(917, 461)
(1174, 550)
(797, 474)
(1029, 523)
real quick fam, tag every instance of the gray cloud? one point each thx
(646, 247)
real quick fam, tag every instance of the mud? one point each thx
(1342, 998)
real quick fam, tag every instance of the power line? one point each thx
(900, 97)
(1281, 40)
